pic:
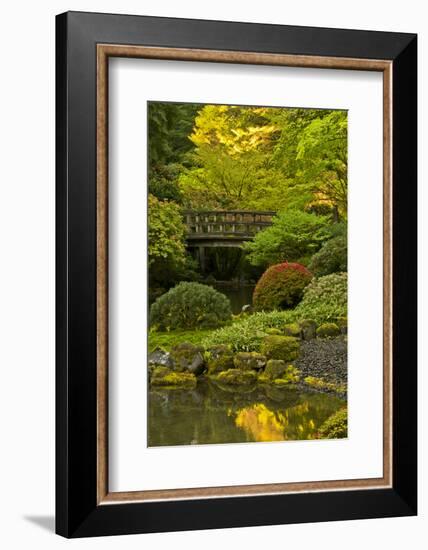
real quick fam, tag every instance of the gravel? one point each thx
(325, 358)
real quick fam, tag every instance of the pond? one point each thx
(219, 414)
(238, 295)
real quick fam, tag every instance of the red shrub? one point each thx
(281, 286)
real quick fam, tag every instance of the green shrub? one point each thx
(281, 286)
(328, 330)
(190, 305)
(336, 426)
(324, 299)
(331, 258)
(286, 348)
(293, 234)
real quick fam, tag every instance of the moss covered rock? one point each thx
(220, 358)
(162, 376)
(286, 348)
(275, 368)
(328, 330)
(237, 377)
(249, 360)
(342, 323)
(188, 358)
(308, 329)
(292, 329)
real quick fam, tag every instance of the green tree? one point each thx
(311, 152)
(293, 235)
(231, 165)
(167, 231)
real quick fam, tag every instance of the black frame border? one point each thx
(77, 512)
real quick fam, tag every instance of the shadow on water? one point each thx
(220, 414)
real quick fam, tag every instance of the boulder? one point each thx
(328, 330)
(161, 358)
(237, 377)
(293, 329)
(249, 360)
(275, 368)
(220, 359)
(308, 329)
(188, 358)
(286, 348)
(280, 373)
(162, 376)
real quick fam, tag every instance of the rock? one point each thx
(236, 377)
(328, 330)
(293, 329)
(220, 359)
(275, 368)
(161, 358)
(308, 329)
(162, 376)
(342, 323)
(281, 374)
(158, 372)
(248, 308)
(188, 358)
(249, 360)
(286, 348)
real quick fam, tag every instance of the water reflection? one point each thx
(219, 414)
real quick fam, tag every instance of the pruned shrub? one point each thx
(190, 305)
(286, 348)
(281, 286)
(325, 299)
(331, 258)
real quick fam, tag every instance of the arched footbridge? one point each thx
(223, 228)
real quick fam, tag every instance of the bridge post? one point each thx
(201, 254)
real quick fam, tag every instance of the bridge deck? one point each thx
(225, 227)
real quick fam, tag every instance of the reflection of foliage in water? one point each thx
(211, 413)
(263, 424)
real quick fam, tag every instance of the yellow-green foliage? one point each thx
(286, 348)
(336, 426)
(236, 377)
(249, 360)
(328, 330)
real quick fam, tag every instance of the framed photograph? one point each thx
(236, 274)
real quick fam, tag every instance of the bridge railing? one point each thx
(226, 222)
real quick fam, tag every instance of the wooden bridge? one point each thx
(223, 228)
